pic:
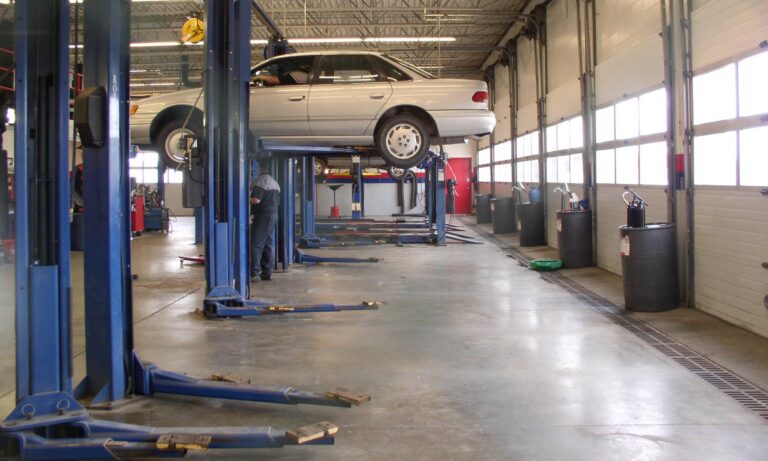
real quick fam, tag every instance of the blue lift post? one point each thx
(227, 71)
(48, 422)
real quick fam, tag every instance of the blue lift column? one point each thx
(357, 188)
(285, 175)
(309, 237)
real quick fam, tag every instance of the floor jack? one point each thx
(49, 423)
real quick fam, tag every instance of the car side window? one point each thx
(340, 69)
(392, 73)
(287, 71)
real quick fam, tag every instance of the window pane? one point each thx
(484, 156)
(627, 119)
(534, 143)
(484, 174)
(604, 124)
(502, 173)
(606, 167)
(653, 112)
(520, 147)
(392, 73)
(341, 69)
(563, 135)
(137, 173)
(564, 168)
(626, 165)
(552, 170)
(534, 171)
(753, 157)
(174, 177)
(502, 152)
(715, 159)
(525, 171)
(551, 138)
(150, 176)
(714, 95)
(653, 164)
(527, 147)
(577, 133)
(577, 169)
(753, 75)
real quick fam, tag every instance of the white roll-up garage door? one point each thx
(730, 213)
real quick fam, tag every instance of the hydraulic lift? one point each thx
(49, 422)
(430, 229)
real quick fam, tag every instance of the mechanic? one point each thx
(265, 201)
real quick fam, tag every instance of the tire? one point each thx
(168, 138)
(403, 141)
(320, 166)
(397, 172)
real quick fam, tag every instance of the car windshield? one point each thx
(410, 67)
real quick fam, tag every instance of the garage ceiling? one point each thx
(476, 25)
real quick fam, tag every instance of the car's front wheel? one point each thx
(169, 139)
(403, 141)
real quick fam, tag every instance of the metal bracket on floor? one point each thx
(149, 379)
(79, 436)
(303, 258)
(226, 302)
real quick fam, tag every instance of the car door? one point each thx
(347, 93)
(278, 94)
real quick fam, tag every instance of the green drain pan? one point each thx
(546, 264)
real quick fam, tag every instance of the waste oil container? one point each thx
(574, 237)
(503, 215)
(649, 267)
(483, 208)
(531, 218)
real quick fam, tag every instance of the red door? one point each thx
(460, 169)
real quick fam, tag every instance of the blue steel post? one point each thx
(43, 349)
(357, 188)
(439, 202)
(238, 99)
(287, 219)
(106, 258)
(308, 233)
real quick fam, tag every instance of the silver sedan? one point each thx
(333, 99)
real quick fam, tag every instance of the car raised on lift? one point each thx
(332, 98)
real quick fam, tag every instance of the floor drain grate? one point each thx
(731, 384)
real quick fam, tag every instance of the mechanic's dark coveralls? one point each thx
(265, 201)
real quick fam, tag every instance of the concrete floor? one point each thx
(473, 357)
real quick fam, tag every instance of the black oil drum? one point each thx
(503, 214)
(574, 238)
(531, 218)
(483, 208)
(649, 267)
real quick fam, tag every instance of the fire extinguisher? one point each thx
(635, 208)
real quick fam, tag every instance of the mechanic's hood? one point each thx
(177, 97)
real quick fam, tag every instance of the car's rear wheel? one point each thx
(320, 165)
(171, 153)
(403, 141)
(396, 173)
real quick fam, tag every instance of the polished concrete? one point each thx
(473, 357)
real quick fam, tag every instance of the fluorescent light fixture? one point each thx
(138, 71)
(259, 42)
(408, 39)
(307, 41)
(153, 44)
(155, 84)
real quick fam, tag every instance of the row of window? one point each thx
(732, 151)
(143, 167)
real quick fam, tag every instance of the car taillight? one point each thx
(480, 96)
(134, 108)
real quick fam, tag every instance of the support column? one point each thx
(308, 184)
(357, 188)
(43, 339)
(106, 252)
